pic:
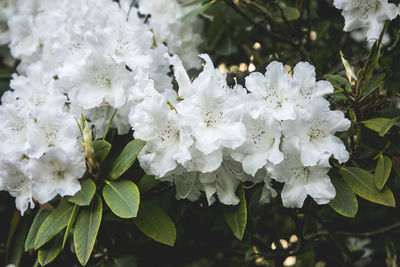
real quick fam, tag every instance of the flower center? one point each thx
(212, 117)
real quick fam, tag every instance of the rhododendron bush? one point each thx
(199, 133)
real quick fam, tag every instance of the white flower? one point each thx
(98, 81)
(223, 182)
(55, 172)
(314, 134)
(182, 37)
(167, 142)
(212, 111)
(368, 14)
(300, 180)
(12, 130)
(13, 180)
(262, 143)
(49, 129)
(309, 89)
(275, 92)
(187, 184)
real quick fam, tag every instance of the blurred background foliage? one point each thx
(243, 36)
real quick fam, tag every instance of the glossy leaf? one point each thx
(101, 149)
(345, 202)
(376, 124)
(382, 171)
(70, 224)
(236, 216)
(372, 84)
(389, 125)
(362, 183)
(339, 82)
(197, 11)
(85, 195)
(49, 252)
(86, 228)
(54, 223)
(147, 182)
(122, 197)
(126, 159)
(37, 222)
(155, 223)
(289, 13)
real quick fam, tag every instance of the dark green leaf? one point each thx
(54, 223)
(345, 202)
(197, 11)
(382, 171)
(389, 125)
(147, 182)
(85, 195)
(124, 261)
(70, 224)
(155, 223)
(376, 124)
(362, 183)
(37, 222)
(49, 252)
(101, 149)
(86, 228)
(339, 82)
(372, 84)
(122, 197)
(17, 248)
(290, 13)
(126, 159)
(236, 216)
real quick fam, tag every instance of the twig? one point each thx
(273, 35)
(364, 234)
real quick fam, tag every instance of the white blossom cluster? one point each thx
(282, 129)
(182, 38)
(369, 16)
(88, 57)
(97, 57)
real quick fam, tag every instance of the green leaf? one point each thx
(372, 84)
(376, 124)
(197, 11)
(373, 56)
(345, 202)
(362, 183)
(17, 248)
(236, 216)
(124, 261)
(86, 228)
(126, 159)
(122, 197)
(70, 224)
(155, 223)
(147, 182)
(54, 223)
(389, 125)
(290, 13)
(37, 222)
(339, 82)
(382, 171)
(84, 196)
(101, 149)
(49, 252)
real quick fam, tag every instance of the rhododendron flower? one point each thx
(301, 180)
(368, 14)
(275, 92)
(314, 134)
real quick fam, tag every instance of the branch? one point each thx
(364, 234)
(272, 35)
